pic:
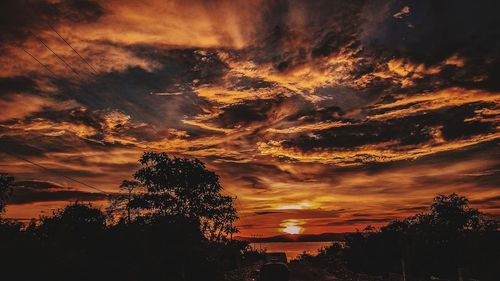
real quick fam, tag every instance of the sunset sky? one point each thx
(320, 116)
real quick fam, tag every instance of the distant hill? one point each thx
(324, 237)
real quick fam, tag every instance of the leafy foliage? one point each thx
(168, 212)
(450, 237)
(185, 188)
(77, 242)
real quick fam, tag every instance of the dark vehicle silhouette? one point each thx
(274, 271)
(276, 257)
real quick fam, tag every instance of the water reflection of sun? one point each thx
(292, 226)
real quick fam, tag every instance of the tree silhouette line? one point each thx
(171, 222)
(450, 242)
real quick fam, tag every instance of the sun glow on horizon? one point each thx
(292, 226)
(298, 206)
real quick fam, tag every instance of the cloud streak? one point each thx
(316, 111)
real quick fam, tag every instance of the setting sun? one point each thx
(292, 226)
(293, 229)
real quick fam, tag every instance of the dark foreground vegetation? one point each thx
(452, 242)
(172, 223)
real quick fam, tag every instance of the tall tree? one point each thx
(442, 242)
(123, 202)
(184, 187)
(6, 183)
(451, 213)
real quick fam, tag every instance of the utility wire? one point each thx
(55, 77)
(82, 58)
(67, 43)
(54, 172)
(55, 54)
(39, 62)
(50, 71)
(45, 168)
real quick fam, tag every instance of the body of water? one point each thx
(292, 249)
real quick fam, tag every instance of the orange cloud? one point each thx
(18, 106)
(308, 127)
(175, 23)
(378, 153)
(434, 100)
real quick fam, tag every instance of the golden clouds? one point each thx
(404, 68)
(308, 127)
(304, 78)
(285, 100)
(358, 197)
(102, 56)
(175, 23)
(207, 126)
(378, 153)
(19, 106)
(434, 100)
(223, 95)
(54, 129)
(394, 150)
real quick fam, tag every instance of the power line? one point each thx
(55, 76)
(51, 72)
(81, 57)
(54, 172)
(46, 67)
(55, 54)
(41, 166)
(67, 43)
(67, 64)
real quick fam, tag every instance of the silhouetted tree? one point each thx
(6, 182)
(76, 220)
(452, 214)
(451, 237)
(177, 204)
(122, 203)
(184, 187)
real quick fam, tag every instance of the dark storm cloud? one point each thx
(26, 192)
(266, 213)
(294, 31)
(16, 84)
(434, 30)
(36, 185)
(406, 130)
(8, 144)
(181, 67)
(144, 94)
(313, 115)
(304, 108)
(244, 114)
(19, 17)
(26, 195)
(265, 112)
(40, 145)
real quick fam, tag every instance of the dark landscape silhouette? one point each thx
(172, 223)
